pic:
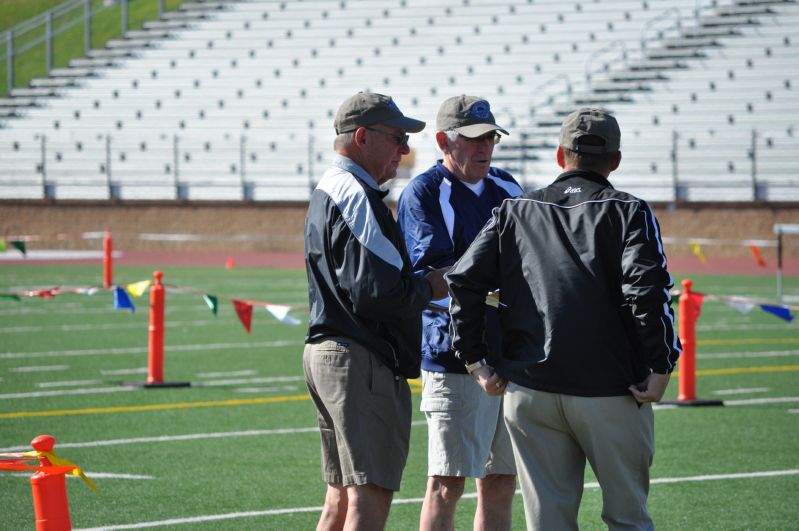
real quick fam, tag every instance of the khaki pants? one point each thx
(554, 434)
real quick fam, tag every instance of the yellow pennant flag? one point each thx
(138, 288)
(697, 251)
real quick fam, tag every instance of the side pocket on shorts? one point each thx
(438, 393)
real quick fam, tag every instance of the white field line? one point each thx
(84, 327)
(734, 355)
(120, 372)
(186, 437)
(40, 368)
(62, 392)
(139, 350)
(68, 383)
(288, 431)
(90, 475)
(759, 401)
(722, 327)
(226, 374)
(403, 501)
(253, 390)
(242, 381)
(793, 411)
(741, 391)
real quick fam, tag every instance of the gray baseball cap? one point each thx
(370, 108)
(593, 122)
(468, 116)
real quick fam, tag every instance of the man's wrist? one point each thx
(471, 367)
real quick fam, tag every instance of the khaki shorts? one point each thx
(467, 436)
(364, 413)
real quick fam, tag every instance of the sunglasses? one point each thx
(493, 137)
(401, 139)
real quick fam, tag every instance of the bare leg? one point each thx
(334, 512)
(438, 508)
(367, 508)
(494, 502)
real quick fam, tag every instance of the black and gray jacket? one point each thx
(586, 308)
(360, 282)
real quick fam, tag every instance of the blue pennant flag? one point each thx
(122, 301)
(780, 311)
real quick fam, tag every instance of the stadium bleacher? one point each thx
(235, 99)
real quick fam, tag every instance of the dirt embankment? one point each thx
(277, 227)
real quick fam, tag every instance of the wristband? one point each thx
(471, 367)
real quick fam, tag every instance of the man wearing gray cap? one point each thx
(440, 213)
(364, 326)
(587, 328)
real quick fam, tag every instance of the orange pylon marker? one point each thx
(155, 359)
(689, 314)
(230, 264)
(50, 503)
(155, 356)
(108, 266)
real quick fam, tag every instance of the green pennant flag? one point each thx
(2, 246)
(10, 296)
(19, 244)
(211, 301)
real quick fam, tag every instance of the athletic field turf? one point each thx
(239, 450)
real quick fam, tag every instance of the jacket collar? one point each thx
(349, 165)
(584, 174)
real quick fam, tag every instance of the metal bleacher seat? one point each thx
(239, 103)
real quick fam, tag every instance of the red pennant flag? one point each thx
(756, 254)
(244, 311)
(44, 293)
(696, 300)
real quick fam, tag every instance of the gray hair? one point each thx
(343, 140)
(452, 136)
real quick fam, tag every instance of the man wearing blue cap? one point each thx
(440, 212)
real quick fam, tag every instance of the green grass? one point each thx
(233, 474)
(69, 44)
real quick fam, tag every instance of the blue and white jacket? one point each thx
(440, 216)
(360, 283)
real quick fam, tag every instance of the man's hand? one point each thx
(652, 388)
(437, 282)
(492, 383)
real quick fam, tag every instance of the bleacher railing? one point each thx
(33, 42)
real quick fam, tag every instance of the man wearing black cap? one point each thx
(440, 213)
(364, 327)
(587, 328)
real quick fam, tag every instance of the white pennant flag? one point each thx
(741, 305)
(281, 313)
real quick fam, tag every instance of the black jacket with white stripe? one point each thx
(360, 283)
(586, 308)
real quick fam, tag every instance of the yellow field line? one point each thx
(155, 407)
(740, 370)
(415, 388)
(750, 341)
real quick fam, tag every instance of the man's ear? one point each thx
(442, 140)
(360, 136)
(559, 156)
(616, 161)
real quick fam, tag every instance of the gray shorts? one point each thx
(467, 436)
(364, 413)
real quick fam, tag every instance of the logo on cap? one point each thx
(480, 109)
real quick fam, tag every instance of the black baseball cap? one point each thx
(369, 108)
(592, 122)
